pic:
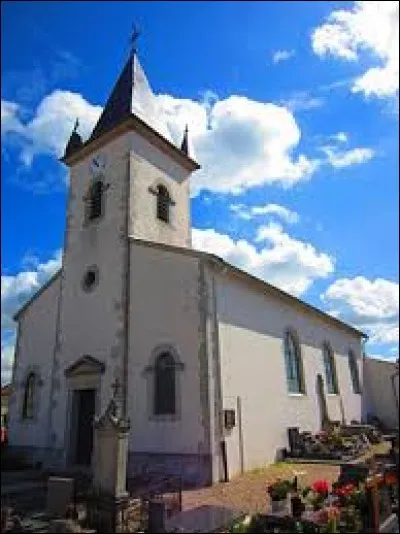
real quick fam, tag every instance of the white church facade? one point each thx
(210, 364)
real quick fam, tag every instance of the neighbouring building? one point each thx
(5, 394)
(381, 387)
(210, 364)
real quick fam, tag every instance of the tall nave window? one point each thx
(29, 396)
(165, 385)
(330, 369)
(294, 371)
(355, 377)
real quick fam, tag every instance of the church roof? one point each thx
(273, 290)
(133, 105)
(37, 294)
(131, 95)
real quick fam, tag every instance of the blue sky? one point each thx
(293, 113)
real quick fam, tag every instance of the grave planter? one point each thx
(281, 507)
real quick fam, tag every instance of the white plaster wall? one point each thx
(164, 309)
(380, 399)
(91, 323)
(150, 167)
(35, 345)
(251, 329)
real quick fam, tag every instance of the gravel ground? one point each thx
(247, 492)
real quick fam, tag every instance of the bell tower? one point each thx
(128, 182)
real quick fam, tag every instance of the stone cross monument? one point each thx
(110, 498)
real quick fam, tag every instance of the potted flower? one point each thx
(317, 494)
(279, 494)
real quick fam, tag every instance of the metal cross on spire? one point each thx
(133, 38)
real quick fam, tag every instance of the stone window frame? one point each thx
(149, 375)
(300, 385)
(34, 371)
(354, 372)
(90, 289)
(87, 197)
(330, 371)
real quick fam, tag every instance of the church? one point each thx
(210, 364)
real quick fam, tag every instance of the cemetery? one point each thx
(360, 496)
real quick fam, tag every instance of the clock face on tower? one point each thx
(98, 165)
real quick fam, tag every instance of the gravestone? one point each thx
(296, 441)
(157, 516)
(60, 493)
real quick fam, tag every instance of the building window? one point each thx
(164, 385)
(90, 279)
(330, 369)
(95, 200)
(355, 377)
(293, 364)
(29, 394)
(163, 203)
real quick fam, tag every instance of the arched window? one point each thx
(95, 200)
(293, 364)
(164, 385)
(163, 203)
(330, 369)
(29, 396)
(355, 377)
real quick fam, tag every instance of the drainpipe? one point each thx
(222, 268)
(392, 379)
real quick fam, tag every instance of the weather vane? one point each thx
(134, 37)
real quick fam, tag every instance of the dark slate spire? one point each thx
(131, 95)
(185, 141)
(119, 103)
(75, 141)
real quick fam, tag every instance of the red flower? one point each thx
(321, 487)
(391, 479)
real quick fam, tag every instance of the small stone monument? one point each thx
(60, 494)
(110, 499)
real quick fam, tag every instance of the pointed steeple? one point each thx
(131, 94)
(185, 141)
(133, 106)
(75, 141)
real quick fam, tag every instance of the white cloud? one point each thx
(285, 262)
(249, 212)
(341, 137)
(341, 159)
(7, 358)
(240, 143)
(302, 101)
(15, 291)
(282, 55)
(368, 27)
(372, 305)
(49, 129)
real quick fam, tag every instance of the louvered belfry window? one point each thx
(163, 203)
(95, 200)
